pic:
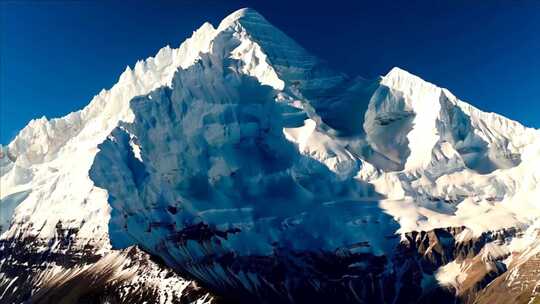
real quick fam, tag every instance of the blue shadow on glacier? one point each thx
(477, 154)
(204, 173)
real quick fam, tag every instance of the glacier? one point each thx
(249, 165)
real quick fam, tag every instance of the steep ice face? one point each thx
(59, 152)
(414, 102)
(212, 164)
(45, 149)
(289, 60)
(447, 150)
(218, 156)
(423, 119)
(50, 159)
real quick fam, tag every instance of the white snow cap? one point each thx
(427, 158)
(244, 14)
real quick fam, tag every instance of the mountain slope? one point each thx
(246, 163)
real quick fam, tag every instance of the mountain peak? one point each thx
(243, 14)
(397, 74)
(409, 84)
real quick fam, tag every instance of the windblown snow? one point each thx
(241, 129)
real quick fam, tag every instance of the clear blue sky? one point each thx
(56, 55)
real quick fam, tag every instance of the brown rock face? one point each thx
(519, 284)
(79, 274)
(423, 252)
(31, 271)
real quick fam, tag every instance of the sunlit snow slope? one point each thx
(240, 146)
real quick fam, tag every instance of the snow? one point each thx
(420, 98)
(451, 274)
(69, 145)
(493, 252)
(240, 127)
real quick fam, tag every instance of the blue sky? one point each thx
(54, 56)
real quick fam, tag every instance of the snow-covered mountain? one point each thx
(242, 162)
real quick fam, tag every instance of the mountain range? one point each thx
(239, 168)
